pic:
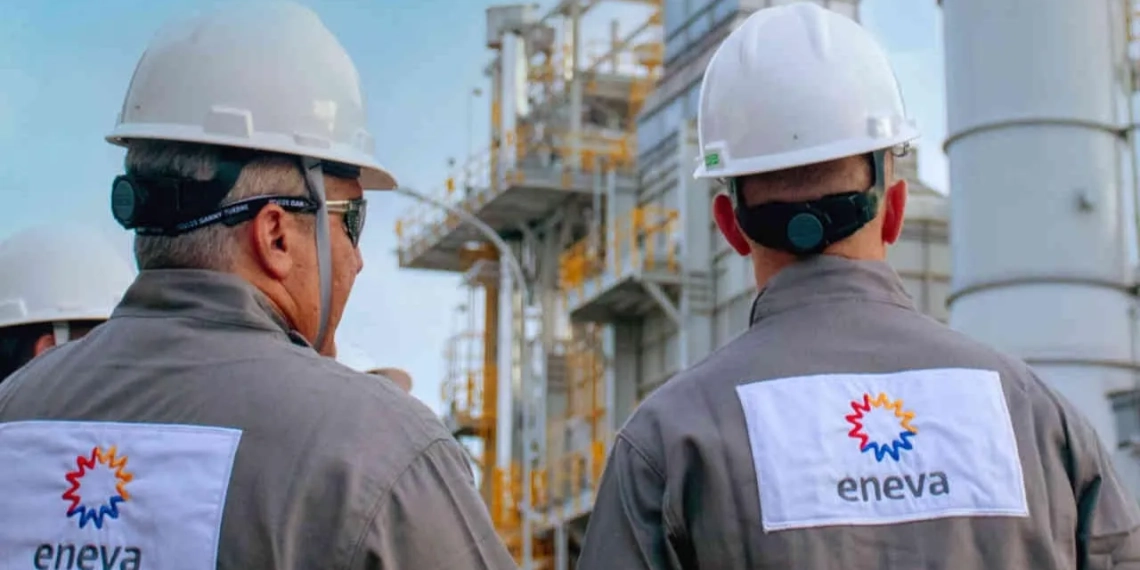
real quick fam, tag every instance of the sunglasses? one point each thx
(353, 213)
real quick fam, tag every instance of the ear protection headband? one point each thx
(807, 228)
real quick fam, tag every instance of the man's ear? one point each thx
(894, 210)
(329, 349)
(270, 241)
(43, 344)
(725, 217)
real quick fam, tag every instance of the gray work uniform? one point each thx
(680, 489)
(228, 433)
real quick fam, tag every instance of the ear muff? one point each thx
(807, 228)
(805, 231)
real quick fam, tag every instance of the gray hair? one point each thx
(211, 247)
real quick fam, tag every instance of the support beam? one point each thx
(662, 299)
(561, 547)
(576, 87)
(489, 429)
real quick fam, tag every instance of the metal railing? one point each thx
(645, 240)
(505, 507)
(576, 443)
(462, 388)
(488, 174)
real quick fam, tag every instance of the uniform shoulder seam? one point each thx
(668, 515)
(657, 470)
(383, 496)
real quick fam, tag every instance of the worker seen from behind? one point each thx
(200, 427)
(844, 429)
(56, 284)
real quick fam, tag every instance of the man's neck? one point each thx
(766, 264)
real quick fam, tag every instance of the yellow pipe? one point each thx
(595, 384)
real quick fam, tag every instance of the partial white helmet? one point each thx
(264, 76)
(54, 275)
(793, 85)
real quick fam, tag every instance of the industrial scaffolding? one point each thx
(566, 88)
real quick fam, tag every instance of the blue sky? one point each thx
(65, 65)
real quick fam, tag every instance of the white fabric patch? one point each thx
(94, 495)
(863, 449)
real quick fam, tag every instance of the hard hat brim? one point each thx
(734, 167)
(45, 317)
(373, 176)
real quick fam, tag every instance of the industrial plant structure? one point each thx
(588, 179)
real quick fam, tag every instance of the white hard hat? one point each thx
(50, 275)
(263, 76)
(793, 85)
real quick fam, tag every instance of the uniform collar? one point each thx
(209, 296)
(827, 278)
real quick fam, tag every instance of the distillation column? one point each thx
(1040, 167)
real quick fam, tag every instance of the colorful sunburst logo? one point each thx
(881, 449)
(93, 510)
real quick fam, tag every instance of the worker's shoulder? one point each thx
(349, 405)
(936, 345)
(762, 354)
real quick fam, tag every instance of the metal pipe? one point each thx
(576, 86)
(470, 144)
(497, 143)
(519, 277)
(615, 40)
(490, 377)
(560, 8)
(684, 199)
(468, 171)
(562, 97)
(486, 231)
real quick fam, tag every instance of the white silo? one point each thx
(1041, 193)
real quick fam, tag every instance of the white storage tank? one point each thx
(1042, 182)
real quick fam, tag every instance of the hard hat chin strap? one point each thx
(315, 180)
(809, 227)
(61, 331)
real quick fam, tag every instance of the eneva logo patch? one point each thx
(113, 496)
(860, 449)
